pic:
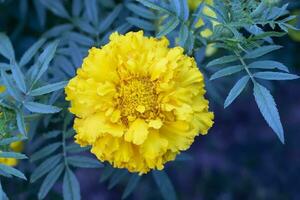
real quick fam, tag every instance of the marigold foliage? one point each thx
(138, 103)
(16, 147)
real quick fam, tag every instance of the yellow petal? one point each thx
(137, 132)
(157, 123)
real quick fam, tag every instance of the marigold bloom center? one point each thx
(137, 99)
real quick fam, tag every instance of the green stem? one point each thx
(245, 66)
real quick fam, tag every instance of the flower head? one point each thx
(138, 103)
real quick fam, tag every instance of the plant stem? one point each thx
(245, 66)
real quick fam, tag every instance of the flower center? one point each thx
(137, 99)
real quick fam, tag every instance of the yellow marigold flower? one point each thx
(138, 103)
(16, 147)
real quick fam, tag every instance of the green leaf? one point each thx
(44, 60)
(177, 7)
(18, 76)
(226, 72)
(21, 123)
(133, 182)
(164, 185)
(168, 27)
(116, 178)
(45, 167)
(140, 11)
(31, 52)
(71, 188)
(50, 180)
(12, 155)
(57, 7)
(12, 171)
(91, 8)
(267, 107)
(268, 64)
(223, 60)
(236, 90)
(45, 151)
(140, 23)
(154, 6)
(41, 108)
(12, 90)
(6, 48)
(108, 21)
(84, 162)
(261, 51)
(106, 173)
(48, 88)
(275, 76)
(183, 157)
(183, 35)
(7, 141)
(75, 148)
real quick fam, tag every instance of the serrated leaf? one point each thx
(267, 107)
(116, 178)
(45, 151)
(2, 173)
(79, 38)
(275, 76)
(261, 51)
(71, 188)
(84, 162)
(108, 21)
(57, 7)
(164, 185)
(58, 30)
(197, 14)
(75, 148)
(48, 88)
(44, 60)
(226, 72)
(168, 27)
(75, 54)
(183, 157)
(21, 123)
(31, 52)
(18, 76)
(12, 171)
(41, 108)
(50, 180)
(7, 141)
(183, 35)
(12, 155)
(6, 48)
(141, 23)
(154, 6)
(236, 90)
(132, 183)
(185, 10)
(177, 6)
(268, 64)
(91, 9)
(223, 60)
(106, 173)
(45, 167)
(76, 7)
(141, 11)
(12, 90)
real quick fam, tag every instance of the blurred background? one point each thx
(240, 158)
